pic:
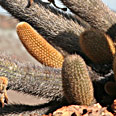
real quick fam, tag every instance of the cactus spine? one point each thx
(97, 46)
(38, 47)
(77, 85)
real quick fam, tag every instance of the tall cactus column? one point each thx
(77, 85)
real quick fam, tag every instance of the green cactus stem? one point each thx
(97, 46)
(77, 85)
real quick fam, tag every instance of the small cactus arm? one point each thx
(3, 92)
(97, 46)
(38, 47)
(110, 88)
(77, 84)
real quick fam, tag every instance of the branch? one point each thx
(95, 12)
(61, 32)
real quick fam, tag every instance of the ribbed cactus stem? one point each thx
(97, 46)
(38, 47)
(77, 85)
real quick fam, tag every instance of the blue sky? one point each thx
(110, 3)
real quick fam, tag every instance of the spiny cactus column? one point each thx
(77, 85)
(97, 46)
(38, 47)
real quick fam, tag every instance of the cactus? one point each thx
(38, 47)
(3, 92)
(110, 88)
(97, 46)
(77, 85)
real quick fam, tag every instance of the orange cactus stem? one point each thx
(3, 92)
(38, 47)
